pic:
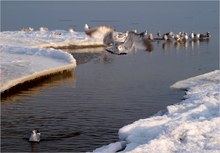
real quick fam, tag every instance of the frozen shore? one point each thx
(193, 125)
(26, 56)
(22, 64)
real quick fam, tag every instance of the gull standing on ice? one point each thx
(29, 29)
(71, 30)
(98, 32)
(35, 136)
(43, 29)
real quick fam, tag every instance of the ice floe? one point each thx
(28, 54)
(20, 64)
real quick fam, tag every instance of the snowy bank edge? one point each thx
(190, 82)
(130, 144)
(34, 76)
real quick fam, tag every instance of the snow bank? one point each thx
(20, 64)
(192, 125)
(49, 39)
(26, 56)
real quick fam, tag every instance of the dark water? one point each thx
(84, 110)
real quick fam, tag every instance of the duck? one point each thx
(35, 136)
(206, 35)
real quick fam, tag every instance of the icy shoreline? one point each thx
(49, 39)
(26, 56)
(193, 125)
(22, 64)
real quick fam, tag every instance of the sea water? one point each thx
(84, 109)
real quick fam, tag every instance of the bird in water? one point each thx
(143, 34)
(151, 37)
(35, 136)
(206, 35)
(98, 32)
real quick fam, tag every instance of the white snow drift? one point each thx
(192, 125)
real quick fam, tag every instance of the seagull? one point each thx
(43, 29)
(192, 35)
(185, 38)
(29, 29)
(165, 37)
(132, 43)
(177, 37)
(98, 32)
(143, 34)
(71, 30)
(151, 37)
(113, 37)
(159, 34)
(57, 33)
(197, 35)
(35, 136)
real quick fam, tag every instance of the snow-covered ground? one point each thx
(192, 126)
(20, 64)
(54, 39)
(28, 55)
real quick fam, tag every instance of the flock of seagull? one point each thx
(125, 42)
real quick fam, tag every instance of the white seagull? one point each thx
(71, 30)
(35, 136)
(98, 32)
(113, 37)
(29, 29)
(43, 29)
(132, 43)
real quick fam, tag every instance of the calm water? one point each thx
(83, 110)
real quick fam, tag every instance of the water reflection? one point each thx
(186, 44)
(85, 55)
(33, 88)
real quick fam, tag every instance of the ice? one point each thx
(28, 55)
(113, 147)
(20, 64)
(193, 125)
(55, 39)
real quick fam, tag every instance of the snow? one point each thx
(27, 55)
(48, 39)
(20, 64)
(193, 125)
